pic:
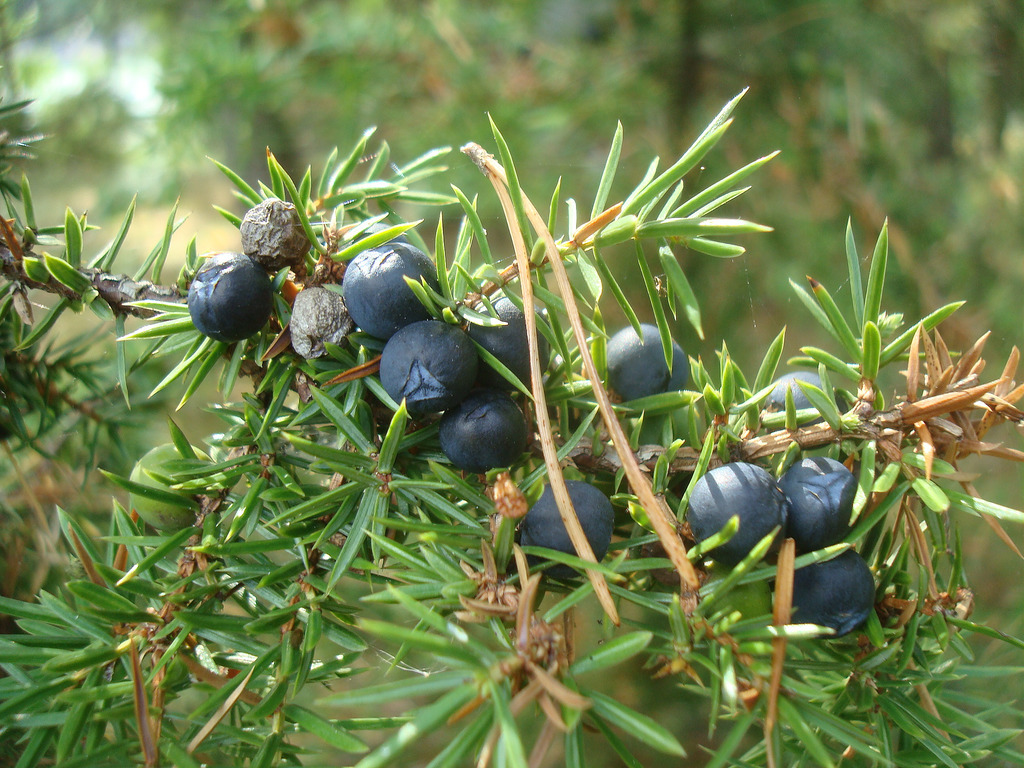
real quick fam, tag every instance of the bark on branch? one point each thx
(888, 427)
(117, 291)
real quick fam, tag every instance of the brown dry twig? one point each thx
(780, 617)
(890, 427)
(496, 175)
(542, 656)
(658, 513)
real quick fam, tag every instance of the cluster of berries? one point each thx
(812, 503)
(232, 297)
(636, 368)
(433, 365)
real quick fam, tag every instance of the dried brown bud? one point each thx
(272, 235)
(508, 499)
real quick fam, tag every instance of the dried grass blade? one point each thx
(927, 447)
(936, 405)
(87, 563)
(202, 673)
(141, 702)
(569, 633)
(1003, 536)
(914, 365)
(994, 524)
(280, 344)
(496, 175)
(1009, 372)
(947, 426)
(985, 423)
(483, 607)
(13, 243)
(941, 384)
(121, 556)
(781, 615)
(595, 225)
(551, 713)
(927, 701)
(913, 526)
(487, 555)
(991, 449)
(522, 566)
(515, 706)
(1004, 408)
(524, 610)
(1014, 395)
(520, 701)
(487, 750)
(1000, 410)
(945, 360)
(929, 704)
(542, 745)
(221, 713)
(467, 708)
(962, 419)
(657, 512)
(932, 366)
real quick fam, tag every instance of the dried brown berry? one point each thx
(318, 317)
(272, 235)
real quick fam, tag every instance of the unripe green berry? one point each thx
(160, 514)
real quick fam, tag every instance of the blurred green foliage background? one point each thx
(909, 109)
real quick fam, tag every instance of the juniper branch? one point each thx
(888, 427)
(119, 292)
